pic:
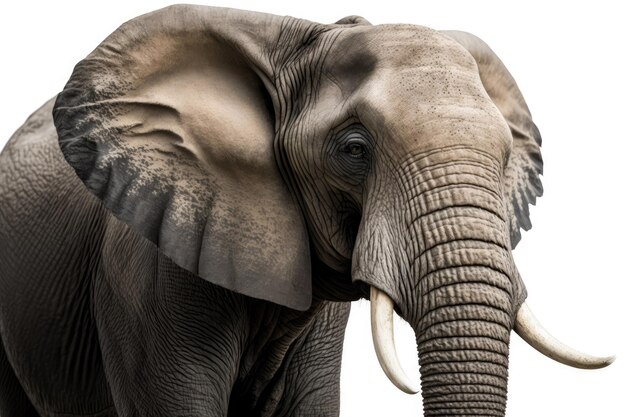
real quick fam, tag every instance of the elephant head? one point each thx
(257, 151)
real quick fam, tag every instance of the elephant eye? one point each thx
(355, 149)
(350, 153)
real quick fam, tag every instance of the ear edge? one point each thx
(522, 174)
(353, 20)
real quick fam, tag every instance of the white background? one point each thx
(569, 61)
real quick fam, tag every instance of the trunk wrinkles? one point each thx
(462, 271)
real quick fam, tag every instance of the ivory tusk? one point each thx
(382, 334)
(529, 329)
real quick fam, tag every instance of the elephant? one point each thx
(183, 228)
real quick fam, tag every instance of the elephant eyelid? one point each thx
(352, 136)
(349, 150)
(355, 148)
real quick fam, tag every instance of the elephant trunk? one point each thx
(451, 276)
(467, 302)
(465, 295)
(467, 292)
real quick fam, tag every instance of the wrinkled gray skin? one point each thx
(281, 167)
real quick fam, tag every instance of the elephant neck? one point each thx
(331, 285)
(274, 335)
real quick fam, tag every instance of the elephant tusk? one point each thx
(382, 333)
(529, 329)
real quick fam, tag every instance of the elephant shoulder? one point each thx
(38, 188)
(32, 156)
(31, 163)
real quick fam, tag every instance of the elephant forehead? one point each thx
(374, 52)
(420, 110)
(410, 77)
(412, 46)
(426, 95)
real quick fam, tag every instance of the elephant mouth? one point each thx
(527, 326)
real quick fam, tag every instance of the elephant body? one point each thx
(183, 227)
(95, 321)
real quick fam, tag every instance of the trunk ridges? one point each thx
(462, 269)
(452, 177)
(485, 344)
(463, 328)
(456, 275)
(459, 314)
(471, 391)
(463, 335)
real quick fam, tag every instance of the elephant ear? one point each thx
(170, 123)
(353, 20)
(522, 182)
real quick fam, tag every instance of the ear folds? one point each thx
(170, 123)
(522, 182)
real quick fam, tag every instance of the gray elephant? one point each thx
(247, 176)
